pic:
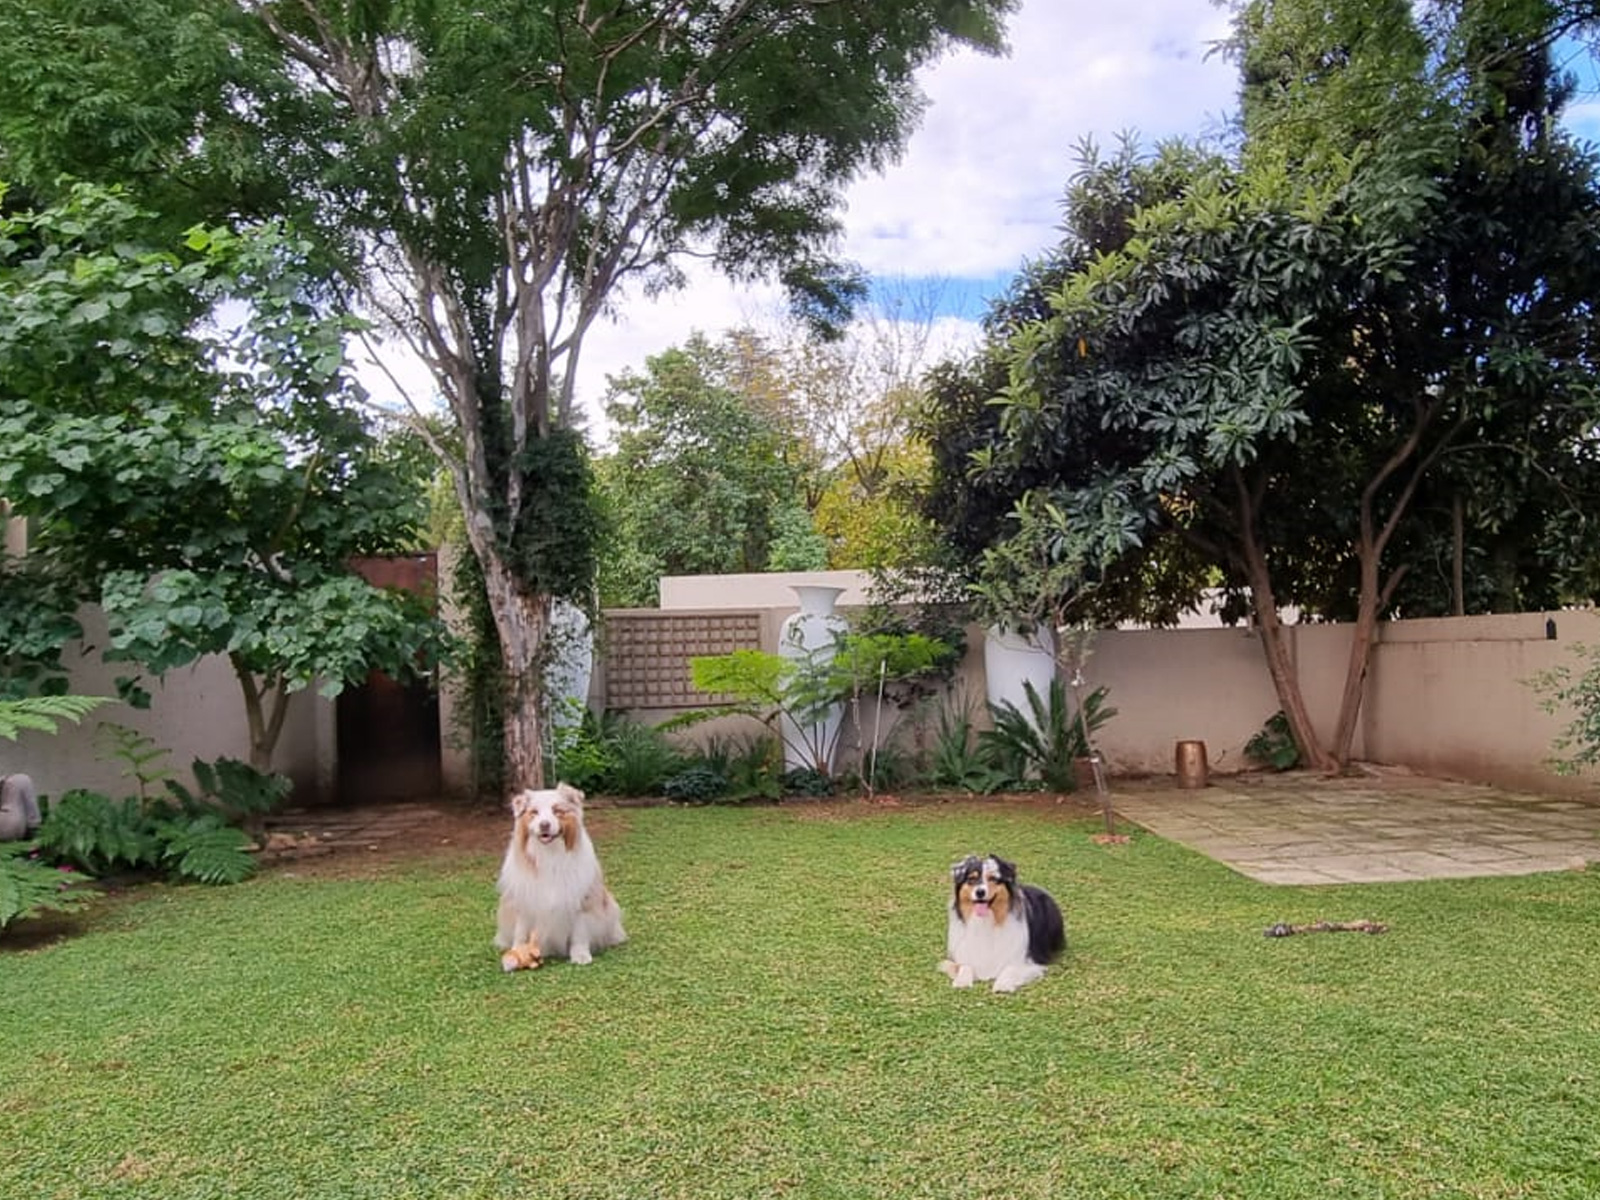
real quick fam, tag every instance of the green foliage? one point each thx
(641, 759)
(806, 781)
(143, 761)
(749, 766)
(38, 617)
(698, 783)
(43, 713)
(1046, 742)
(700, 481)
(206, 849)
(959, 758)
(207, 482)
(791, 696)
(1273, 745)
(492, 180)
(611, 753)
(553, 542)
(29, 885)
(233, 790)
(1574, 694)
(1300, 367)
(99, 835)
(185, 834)
(479, 670)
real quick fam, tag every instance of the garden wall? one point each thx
(1445, 696)
(197, 712)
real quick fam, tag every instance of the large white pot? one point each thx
(1012, 659)
(812, 636)
(570, 665)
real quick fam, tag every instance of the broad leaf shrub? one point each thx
(185, 835)
(1273, 745)
(610, 753)
(28, 883)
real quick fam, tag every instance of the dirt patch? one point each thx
(355, 842)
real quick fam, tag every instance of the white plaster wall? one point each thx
(196, 712)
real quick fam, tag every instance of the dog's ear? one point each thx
(958, 870)
(521, 802)
(570, 793)
(1008, 871)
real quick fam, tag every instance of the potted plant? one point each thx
(1025, 592)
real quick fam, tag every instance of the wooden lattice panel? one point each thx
(647, 655)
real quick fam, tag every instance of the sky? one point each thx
(978, 190)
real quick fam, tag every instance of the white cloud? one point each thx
(980, 186)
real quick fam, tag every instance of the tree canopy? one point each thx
(484, 178)
(698, 482)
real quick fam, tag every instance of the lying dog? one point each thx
(999, 929)
(553, 896)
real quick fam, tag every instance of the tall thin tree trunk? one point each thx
(1280, 666)
(522, 619)
(1458, 556)
(1362, 638)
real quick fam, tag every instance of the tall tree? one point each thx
(491, 174)
(1281, 360)
(698, 482)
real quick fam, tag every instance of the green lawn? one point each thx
(777, 1027)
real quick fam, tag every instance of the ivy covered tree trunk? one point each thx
(522, 620)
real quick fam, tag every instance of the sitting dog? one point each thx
(553, 896)
(999, 929)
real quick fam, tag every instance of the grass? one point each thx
(777, 1027)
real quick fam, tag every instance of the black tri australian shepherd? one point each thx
(999, 929)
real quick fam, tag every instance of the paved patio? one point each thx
(1302, 828)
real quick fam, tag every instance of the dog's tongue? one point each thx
(980, 909)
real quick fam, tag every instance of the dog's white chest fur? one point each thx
(551, 897)
(986, 948)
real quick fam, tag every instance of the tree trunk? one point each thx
(1285, 679)
(1361, 640)
(522, 620)
(265, 724)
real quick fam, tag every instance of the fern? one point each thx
(29, 887)
(98, 834)
(43, 713)
(206, 850)
(233, 788)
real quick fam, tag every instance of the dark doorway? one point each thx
(388, 732)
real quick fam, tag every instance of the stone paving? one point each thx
(1302, 828)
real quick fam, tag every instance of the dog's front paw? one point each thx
(963, 977)
(580, 956)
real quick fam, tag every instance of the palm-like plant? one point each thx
(1047, 741)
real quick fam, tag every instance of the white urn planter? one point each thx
(1011, 660)
(571, 663)
(806, 637)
